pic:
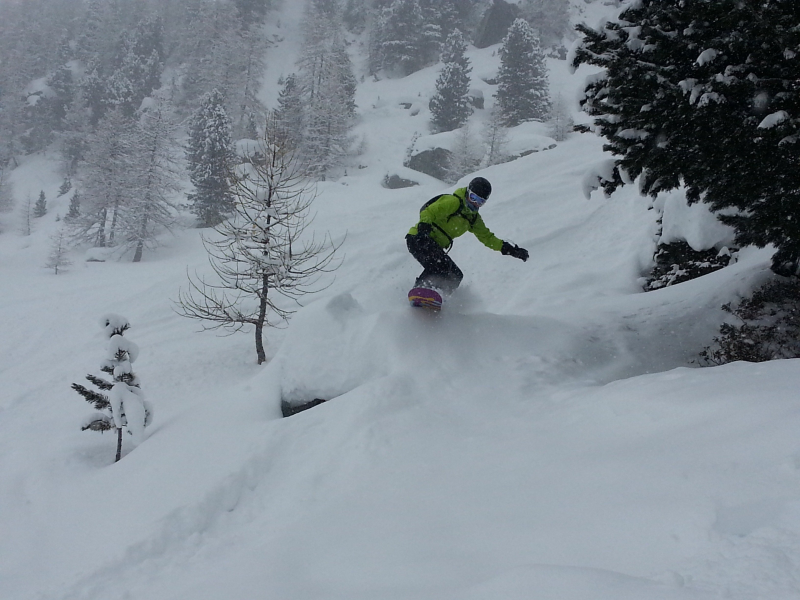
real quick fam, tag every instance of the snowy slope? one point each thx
(543, 437)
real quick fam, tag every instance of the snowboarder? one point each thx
(445, 218)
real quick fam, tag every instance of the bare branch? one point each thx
(264, 252)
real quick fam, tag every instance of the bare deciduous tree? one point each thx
(263, 253)
(59, 252)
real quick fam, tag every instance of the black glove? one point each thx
(514, 251)
(424, 229)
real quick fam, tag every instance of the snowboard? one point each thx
(421, 297)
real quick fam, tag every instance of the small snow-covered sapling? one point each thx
(120, 402)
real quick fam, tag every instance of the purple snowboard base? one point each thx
(425, 298)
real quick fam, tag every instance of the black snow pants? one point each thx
(440, 270)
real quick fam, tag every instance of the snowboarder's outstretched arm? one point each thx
(486, 237)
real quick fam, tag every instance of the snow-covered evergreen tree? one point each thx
(450, 106)
(211, 158)
(704, 95)
(260, 255)
(120, 403)
(403, 40)
(40, 208)
(522, 91)
(58, 258)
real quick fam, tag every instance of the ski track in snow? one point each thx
(540, 437)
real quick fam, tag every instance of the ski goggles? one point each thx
(475, 200)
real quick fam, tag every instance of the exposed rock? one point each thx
(395, 182)
(435, 162)
(495, 23)
(476, 99)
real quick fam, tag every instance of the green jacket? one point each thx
(450, 216)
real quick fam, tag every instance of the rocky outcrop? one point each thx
(435, 162)
(395, 182)
(495, 23)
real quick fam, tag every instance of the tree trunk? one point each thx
(262, 316)
(137, 256)
(119, 444)
(100, 240)
(112, 231)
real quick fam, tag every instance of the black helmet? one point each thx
(480, 186)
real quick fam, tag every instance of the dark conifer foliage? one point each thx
(252, 11)
(450, 107)
(210, 156)
(406, 38)
(289, 112)
(74, 211)
(523, 88)
(705, 95)
(65, 186)
(40, 208)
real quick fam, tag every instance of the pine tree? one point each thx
(252, 11)
(74, 137)
(40, 208)
(137, 67)
(450, 107)
(62, 85)
(210, 155)
(404, 41)
(94, 91)
(74, 211)
(704, 95)
(522, 91)
(355, 15)
(120, 403)
(289, 114)
(65, 187)
(259, 256)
